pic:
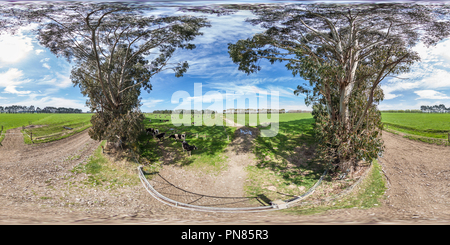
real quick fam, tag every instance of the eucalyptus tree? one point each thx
(344, 51)
(117, 49)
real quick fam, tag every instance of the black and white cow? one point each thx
(188, 147)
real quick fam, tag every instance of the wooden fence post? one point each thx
(31, 136)
(448, 137)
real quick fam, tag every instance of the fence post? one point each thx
(31, 136)
(448, 137)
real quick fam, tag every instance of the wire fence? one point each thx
(169, 194)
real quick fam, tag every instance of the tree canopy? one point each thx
(344, 51)
(117, 49)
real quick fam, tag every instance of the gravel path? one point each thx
(35, 188)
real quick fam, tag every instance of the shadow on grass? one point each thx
(210, 141)
(291, 153)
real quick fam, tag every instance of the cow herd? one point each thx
(186, 147)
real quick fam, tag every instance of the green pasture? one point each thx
(211, 142)
(9, 121)
(52, 125)
(422, 125)
(244, 119)
(273, 154)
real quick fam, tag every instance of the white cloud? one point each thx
(149, 103)
(431, 94)
(438, 53)
(14, 48)
(38, 51)
(225, 29)
(51, 101)
(59, 82)
(283, 91)
(248, 86)
(388, 95)
(432, 72)
(206, 98)
(46, 66)
(12, 90)
(45, 60)
(12, 79)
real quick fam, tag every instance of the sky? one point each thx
(31, 75)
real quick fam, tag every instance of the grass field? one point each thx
(52, 125)
(210, 140)
(419, 126)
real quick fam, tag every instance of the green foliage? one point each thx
(344, 53)
(337, 147)
(110, 44)
(115, 128)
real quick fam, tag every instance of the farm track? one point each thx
(34, 190)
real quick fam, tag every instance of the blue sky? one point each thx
(31, 75)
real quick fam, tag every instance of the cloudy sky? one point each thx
(31, 75)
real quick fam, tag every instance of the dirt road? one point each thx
(35, 188)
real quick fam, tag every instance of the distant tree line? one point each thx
(298, 111)
(253, 111)
(424, 109)
(402, 111)
(32, 109)
(181, 110)
(162, 112)
(435, 109)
